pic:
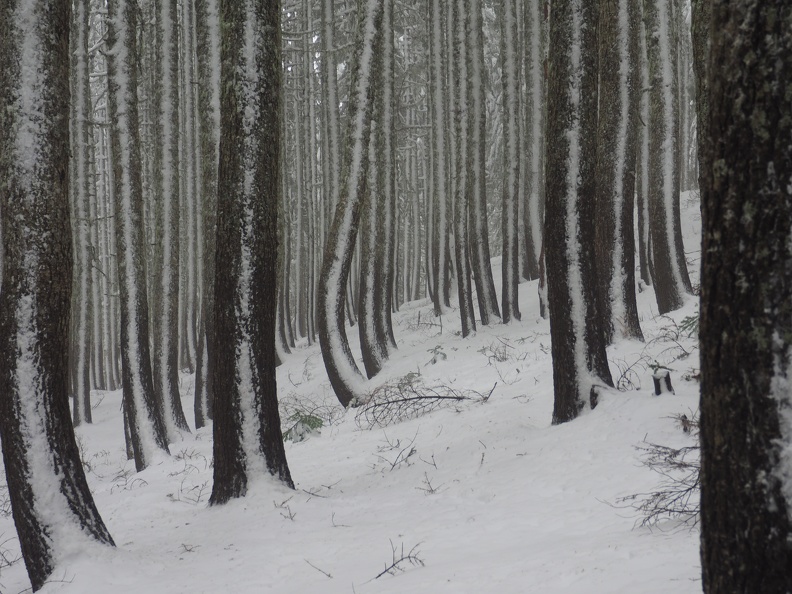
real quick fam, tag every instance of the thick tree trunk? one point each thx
(701, 16)
(146, 425)
(247, 430)
(579, 361)
(617, 135)
(51, 504)
(746, 311)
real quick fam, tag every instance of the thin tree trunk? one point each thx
(147, 427)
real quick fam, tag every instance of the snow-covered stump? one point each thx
(53, 509)
(662, 382)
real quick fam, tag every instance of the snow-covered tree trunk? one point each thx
(701, 15)
(387, 226)
(247, 433)
(191, 154)
(617, 135)
(535, 41)
(642, 163)
(165, 347)
(440, 186)
(208, 66)
(463, 122)
(80, 343)
(53, 509)
(510, 97)
(341, 367)
(580, 365)
(147, 427)
(477, 207)
(670, 275)
(746, 310)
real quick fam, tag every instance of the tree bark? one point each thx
(580, 364)
(617, 135)
(746, 311)
(247, 431)
(146, 425)
(50, 501)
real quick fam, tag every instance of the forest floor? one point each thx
(479, 495)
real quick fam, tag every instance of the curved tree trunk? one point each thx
(746, 311)
(341, 367)
(247, 431)
(579, 360)
(52, 506)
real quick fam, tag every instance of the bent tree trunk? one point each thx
(50, 500)
(746, 311)
(341, 368)
(247, 431)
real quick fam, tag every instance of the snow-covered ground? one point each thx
(486, 496)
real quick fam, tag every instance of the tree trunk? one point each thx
(579, 361)
(146, 424)
(51, 504)
(464, 187)
(617, 135)
(207, 31)
(746, 311)
(670, 273)
(510, 79)
(341, 367)
(247, 431)
(80, 343)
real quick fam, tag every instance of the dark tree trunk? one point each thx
(477, 209)
(247, 430)
(146, 425)
(579, 360)
(510, 79)
(463, 122)
(746, 310)
(50, 500)
(209, 122)
(617, 135)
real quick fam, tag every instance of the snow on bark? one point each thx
(52, 506)
(342, 370)
(439, 239)
(146, 424)
(510, 79)
(81, 223)
(477, 208)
